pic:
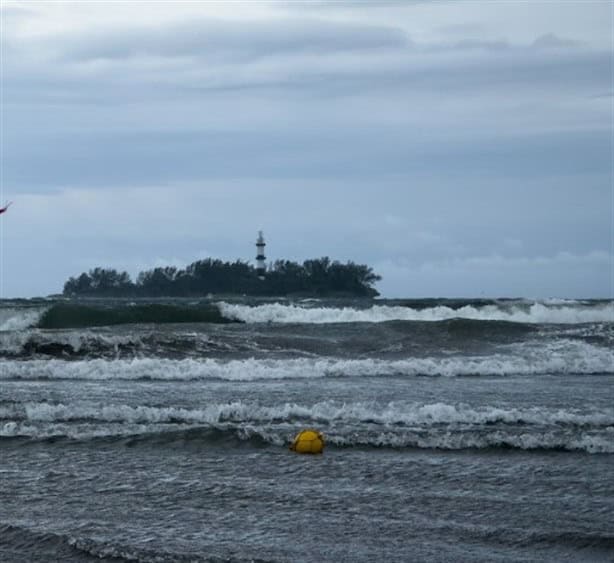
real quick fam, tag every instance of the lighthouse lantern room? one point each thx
(260, 257)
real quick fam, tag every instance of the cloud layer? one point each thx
(411, 136)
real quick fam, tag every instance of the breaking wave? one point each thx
(107, 343)
(392, 414)
(564, 357)
(20, 318)
(521, 313)
(68, 343)
(64, 315)
(397, 424)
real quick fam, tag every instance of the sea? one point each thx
(159, 430)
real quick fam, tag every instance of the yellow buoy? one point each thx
(308, 441)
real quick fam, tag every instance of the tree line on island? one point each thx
(320, 277)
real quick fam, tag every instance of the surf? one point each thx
(398, 424)
(532, 313)
(536, 359)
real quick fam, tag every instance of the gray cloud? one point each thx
(552, 41)
(329, 58)
(434, 75)
(233, 40)
(431, 158)
(403, 94)
(143, 158)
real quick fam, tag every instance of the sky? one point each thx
(460, 148)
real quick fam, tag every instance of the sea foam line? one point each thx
(535, 313)
(432, 426)
(326, 412)
(565, 358)
(549, 440)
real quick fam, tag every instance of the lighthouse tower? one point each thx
(260, 257)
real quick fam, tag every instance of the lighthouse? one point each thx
(260, 257)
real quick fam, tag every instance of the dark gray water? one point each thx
(470, 431)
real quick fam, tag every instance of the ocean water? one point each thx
(455, 430)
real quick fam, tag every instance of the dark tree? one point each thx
(317, 276)
(100, 281)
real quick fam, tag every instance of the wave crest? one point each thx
(393, 414)
(520, 313)
(395, 425)
(566, 357)
(20, 318)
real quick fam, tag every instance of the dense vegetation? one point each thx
(319, 277)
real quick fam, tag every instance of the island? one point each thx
(319, 277)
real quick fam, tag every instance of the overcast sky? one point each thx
(460, 148)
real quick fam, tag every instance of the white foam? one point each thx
(328, 412)
(70, 430)
(586, 442)
(563, 357)
(560, 301)
(396, 424)
(13, 342)
(19, 318)
(534, 313)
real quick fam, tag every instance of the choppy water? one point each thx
(468, 430)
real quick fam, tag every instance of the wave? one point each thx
(20, 318)
(449, 439)
(564, 357)
(64, 315)
(58, 546)
(396, 425)
(383, 340)
(392, 414)
(68, 315)
(519, 313)
(198, 342)
(68, 344)
(34, 342)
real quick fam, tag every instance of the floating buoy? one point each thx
(308, 441)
